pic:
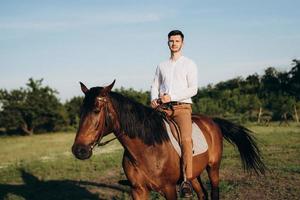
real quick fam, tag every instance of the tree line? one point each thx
(275, 95)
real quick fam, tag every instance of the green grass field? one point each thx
(42, 167)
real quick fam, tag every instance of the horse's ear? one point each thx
(84, 89)
(107, 89)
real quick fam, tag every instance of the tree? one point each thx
(252, 84)
(270, 81)
(11, 105)
(139, 96)
(33, 109)
(208, 106)
(73, 109)
(230, 84)
(294, 82)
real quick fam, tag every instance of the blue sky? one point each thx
(92, 41)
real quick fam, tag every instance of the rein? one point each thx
(164, 106)
(169, 119)
(104, 143)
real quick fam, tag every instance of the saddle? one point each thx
(198, 139)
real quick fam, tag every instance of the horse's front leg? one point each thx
(140, 193)
(170, 192)
(139, 190)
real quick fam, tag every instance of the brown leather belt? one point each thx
(169, 105)
(176, 103)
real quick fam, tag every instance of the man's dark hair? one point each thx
(176, 32)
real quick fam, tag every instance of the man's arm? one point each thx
(155, 88)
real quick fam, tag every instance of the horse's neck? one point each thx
(133, 145)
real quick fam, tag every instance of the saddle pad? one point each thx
(199, 141)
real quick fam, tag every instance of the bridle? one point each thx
(106, 123)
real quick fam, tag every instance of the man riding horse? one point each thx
(174, 84)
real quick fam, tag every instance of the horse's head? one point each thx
(96, 117)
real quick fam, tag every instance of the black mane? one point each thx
(139, 121)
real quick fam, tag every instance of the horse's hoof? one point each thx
(186, 189)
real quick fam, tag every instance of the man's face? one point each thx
(175, 43)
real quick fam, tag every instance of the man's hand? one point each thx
(165, 98)
(154, 103)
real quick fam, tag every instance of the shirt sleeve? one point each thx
(192, 83)
(155, 85)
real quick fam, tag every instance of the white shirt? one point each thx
(179, 79)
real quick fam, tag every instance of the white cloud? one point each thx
(125, 18)
(35, 25)
(82, 20)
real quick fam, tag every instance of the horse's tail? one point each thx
(241, 137)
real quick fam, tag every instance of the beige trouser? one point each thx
(182, 116)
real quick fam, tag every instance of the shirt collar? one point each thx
(176, 60)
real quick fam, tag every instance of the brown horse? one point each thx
(150, 162)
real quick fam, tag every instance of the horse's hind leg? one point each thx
(205, 197)
(198, 188)
(213, 174)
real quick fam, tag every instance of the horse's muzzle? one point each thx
(82, 152)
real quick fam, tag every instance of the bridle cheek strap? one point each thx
(107, 122)
(107, 117)
(100, 135)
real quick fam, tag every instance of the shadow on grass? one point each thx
(35, 189)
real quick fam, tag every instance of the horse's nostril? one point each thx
(82, 152)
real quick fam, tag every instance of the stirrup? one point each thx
(186, 189)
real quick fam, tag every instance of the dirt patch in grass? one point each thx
(108, 185)
(272, 185)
